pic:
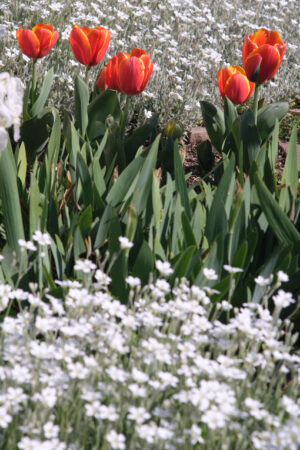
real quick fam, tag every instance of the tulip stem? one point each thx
(87, 74)
(255, 105)
(33, 82)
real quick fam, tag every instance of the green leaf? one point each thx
(85, 220)
(274, 145)
(35, 133)
(230, 114)
(250, 138)
(84, 175)
(144, 183)
(144, 263)
(104, 226)
(81, 105)
(189, 237)
(267, 116)
(35, 209)
(22, 164)
(183, 263)
(281, 225)
(214, 123)
(205, 155)
(180, 182)
(42, 98)
(290, 172)
(105, 104)
(139, 137)
(9, 194)
(216, 217)
(123, 183)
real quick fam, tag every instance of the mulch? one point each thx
(195, 136)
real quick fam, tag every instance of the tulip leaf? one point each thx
(250, 138)
(214, 123)
(9, 195)
(139, 137)
(230, 114)
(105, 104)
(35, 133)
(281, 225)
(144, 263)
(81, 105)
(267, 116)
(180, 182)
(42, 98)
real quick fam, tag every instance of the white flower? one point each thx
(282, 276)
(5, 418)
(85, 265)
(27, 245)
(232, 270)
(214, 418)
(147, 114)
(48, 396)
(283, 299)
(164, 268)
(11, 106)
(138, 414)
(115, 440)
(102, 278)
(210, 274)
(125, 243)
(262, 282)
(50, 430)
(41, 238)
(133, 281)
(196, 435)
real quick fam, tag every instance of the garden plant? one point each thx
(139, 311)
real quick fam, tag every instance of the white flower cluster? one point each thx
(11, 106)
(85, 369)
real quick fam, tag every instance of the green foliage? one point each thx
(93, 185)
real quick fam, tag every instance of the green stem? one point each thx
(33, 82)
(255, 105)
(87, 74)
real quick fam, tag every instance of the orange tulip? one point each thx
(262, 52)
(37, 42)
(234, 84)
(127, 73)
(89, 45)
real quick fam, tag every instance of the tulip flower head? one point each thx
(262, 55)
(234, 84)
(89, 45)
(38, 42)
(127, 73)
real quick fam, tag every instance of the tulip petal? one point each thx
(99, 39)
(269, 58)
(101, 80)
(29, 43)
(137, 52)
(131, 75)
(237, 88)
(112, 73)
(80, 46)
(260, 37)
(148, 66)
(248, 47)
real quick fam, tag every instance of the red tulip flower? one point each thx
(126, 73)
(89, 45)
(234, 84)
(37, 42)
(262, 53)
